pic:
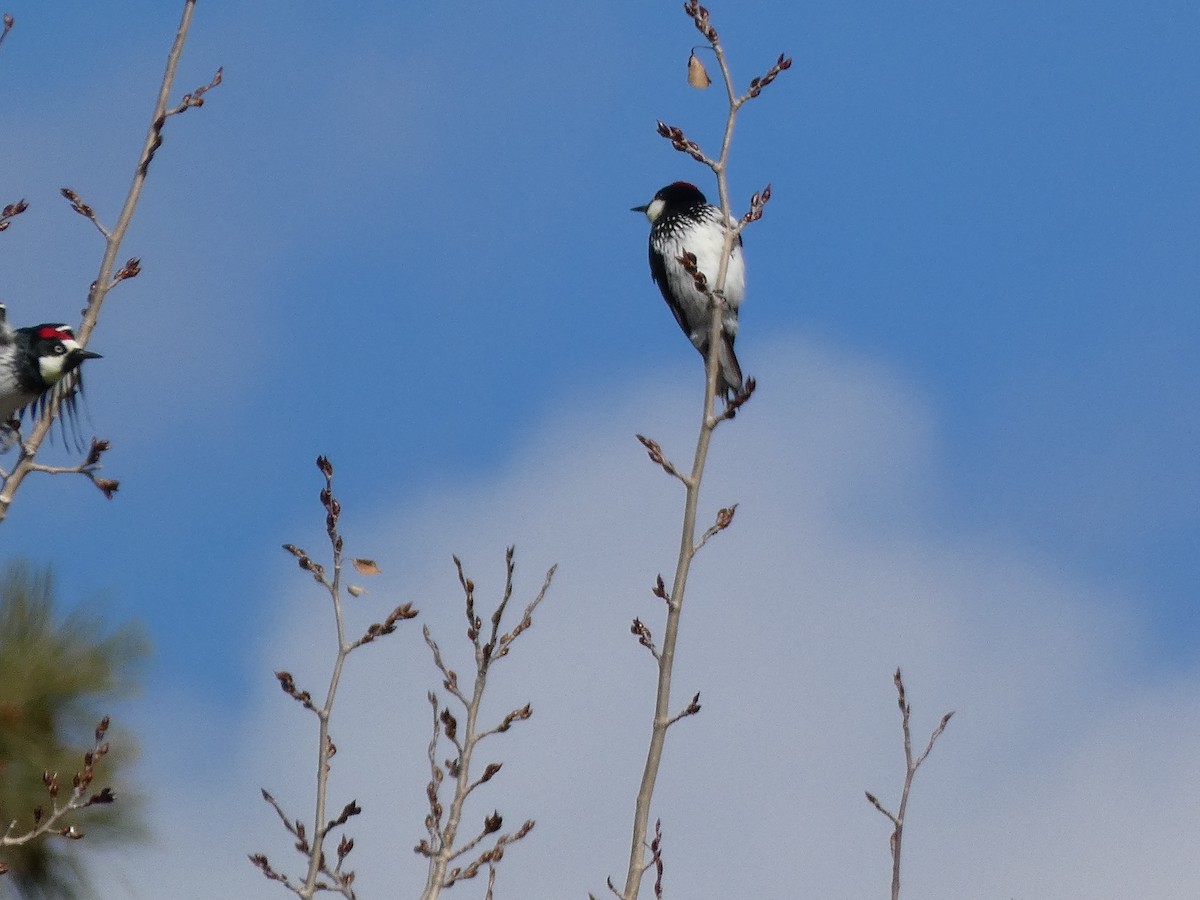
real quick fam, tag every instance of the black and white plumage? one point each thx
(37, 364)
(682, 220)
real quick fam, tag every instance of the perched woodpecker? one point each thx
(683, 221)
(37, 364)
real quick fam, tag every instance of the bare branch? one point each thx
(681, 143)
(84, 210)
(80, 797)
(387, 626)
(656, 859)
(195, 98)
(757, 203)
(442, 823)
(724, 520)
(450, 677)
(910, 770)
(506, 640)
(690, 710)
(319, 876)
(292, 828)
(665, 656)
(644, 637)
(874, 801)
(656, 456)
(757, 84)
(260, 860)
(88, 468)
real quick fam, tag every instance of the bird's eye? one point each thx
(59, 350)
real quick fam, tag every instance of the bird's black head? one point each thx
(674, 198)
(57, 352)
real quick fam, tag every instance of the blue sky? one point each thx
(400, 237)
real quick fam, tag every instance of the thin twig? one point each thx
(80, 797)
(325, 745)
(442, 847)
(910, 770)
(339, 880)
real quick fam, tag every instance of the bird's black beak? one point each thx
(640, 209)
(77, 356)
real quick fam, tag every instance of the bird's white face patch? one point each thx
(654, 209)
(52, 364)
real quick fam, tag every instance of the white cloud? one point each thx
(1060, 776)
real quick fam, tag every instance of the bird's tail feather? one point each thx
(729, 382)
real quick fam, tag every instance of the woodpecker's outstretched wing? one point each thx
(69, 391)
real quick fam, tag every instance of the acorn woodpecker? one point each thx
(683, 221)
(37, 364)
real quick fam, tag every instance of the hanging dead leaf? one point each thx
(366, 567)
(355, 590)
(697, 75)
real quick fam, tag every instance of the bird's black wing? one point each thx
(68, 390)
(658, 271)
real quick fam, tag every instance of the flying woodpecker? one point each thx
(37, 364)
